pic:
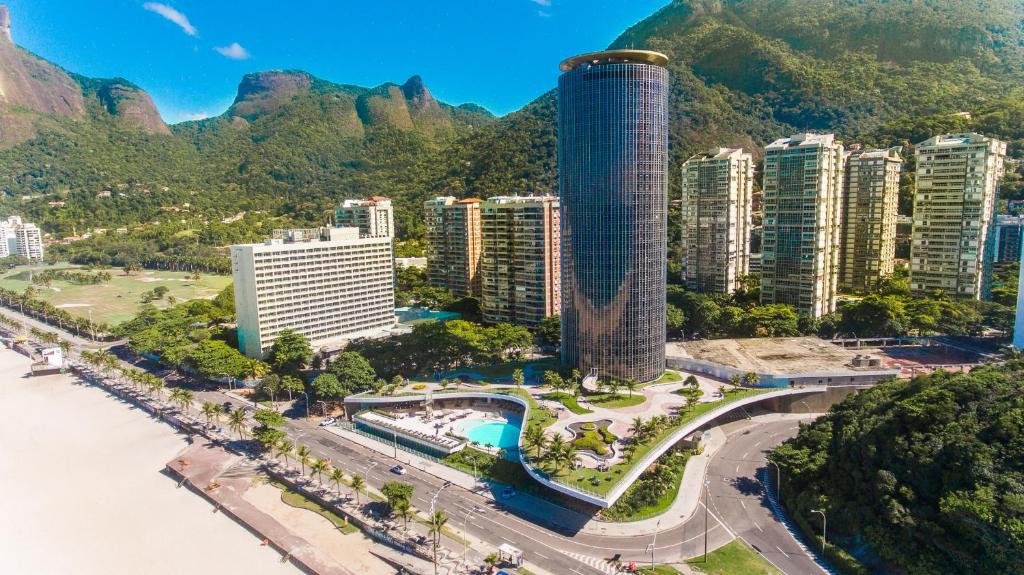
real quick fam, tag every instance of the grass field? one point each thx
(299, 500)
(117, 300)
(736, 558)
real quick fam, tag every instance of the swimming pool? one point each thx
(496, 434)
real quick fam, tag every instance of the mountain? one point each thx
(743, 72)
(32, 88)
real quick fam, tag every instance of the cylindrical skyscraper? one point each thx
(613, 180)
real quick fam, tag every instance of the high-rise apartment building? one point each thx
(954, 208)
(717, 190)
(613, 180)
(329, 284)
(18, 238)
(1009, 238)
(803, 183)
(520, 263)
(870, 204)
(454, 244)
(374, 217)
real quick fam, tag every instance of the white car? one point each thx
(398, 470)
(327, 421)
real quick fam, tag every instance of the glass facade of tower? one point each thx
(613, 177)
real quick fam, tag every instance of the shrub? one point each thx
(589, 427)
(590, 441)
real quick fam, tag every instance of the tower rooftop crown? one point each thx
(615, 57)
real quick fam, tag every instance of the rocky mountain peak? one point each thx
(5, 23)
(415, 91)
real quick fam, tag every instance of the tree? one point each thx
(638, 428)
(675, 320)
(357, 485)
(302, 454)
(403, 509)
(631, 384)
(691, 381)
(549, 330)
(318, 466)
(326, 386)
(751, 379)
(269, 386)
(436, 523)
(130, 267)
(284, 449)
(518, 378)
(395, 491)
(535, 438)
(292, 384)
(353, 372)
(553, 380)
(208, 408)
(237, 423)
(268, 432)
(290, 352)
(337, 476)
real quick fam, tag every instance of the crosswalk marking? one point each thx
(599, 564)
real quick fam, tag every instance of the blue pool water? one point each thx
(492, 433)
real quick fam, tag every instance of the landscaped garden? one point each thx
(555, 456)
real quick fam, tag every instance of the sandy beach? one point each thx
(83, 492)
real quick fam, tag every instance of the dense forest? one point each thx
(744, 72)
(924, 476)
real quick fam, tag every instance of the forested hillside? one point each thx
(925, 475)
(744, 72)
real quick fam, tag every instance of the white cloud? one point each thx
(543, 14)
(193, 116)
(172, 15)
(235, 51)
(542, 2)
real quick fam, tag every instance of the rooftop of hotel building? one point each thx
(805, 139)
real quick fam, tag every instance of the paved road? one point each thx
(736, 501)
(738, 498)
(736, 506)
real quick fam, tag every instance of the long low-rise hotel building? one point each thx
(328, 284)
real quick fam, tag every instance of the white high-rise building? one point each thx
(18, 238)
(954, 209)
(803, 185)
(718, 189)
(374, 217)
(329, 284)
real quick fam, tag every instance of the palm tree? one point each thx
(157, 386)
(614, 385)
(751, 379)
(436, 524)
(357, 486)
(236, 421)
(184, 398)
(631, 385)
(638, 428)
(518, 378)
(337, 476)
(535, 439)
(176, 394)
(491, 560)
(555, 447)
(569, 456)
(403, 509)
(284, 448)
(302, 455)
(208, 408)
(319, 466)
(218, 410)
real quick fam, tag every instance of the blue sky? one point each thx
(190, 54)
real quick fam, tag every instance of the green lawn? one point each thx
(659, 570)
(663, 503)
(117, 300)
(616, 400)
(736, 558)
(667, 377)
(569, 401)
(489, 466)
(538, 416)
(302, 502)
(601, 482)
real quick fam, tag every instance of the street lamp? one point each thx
(778, 479)
(824, 525)
(434, 498)
(654, 543)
